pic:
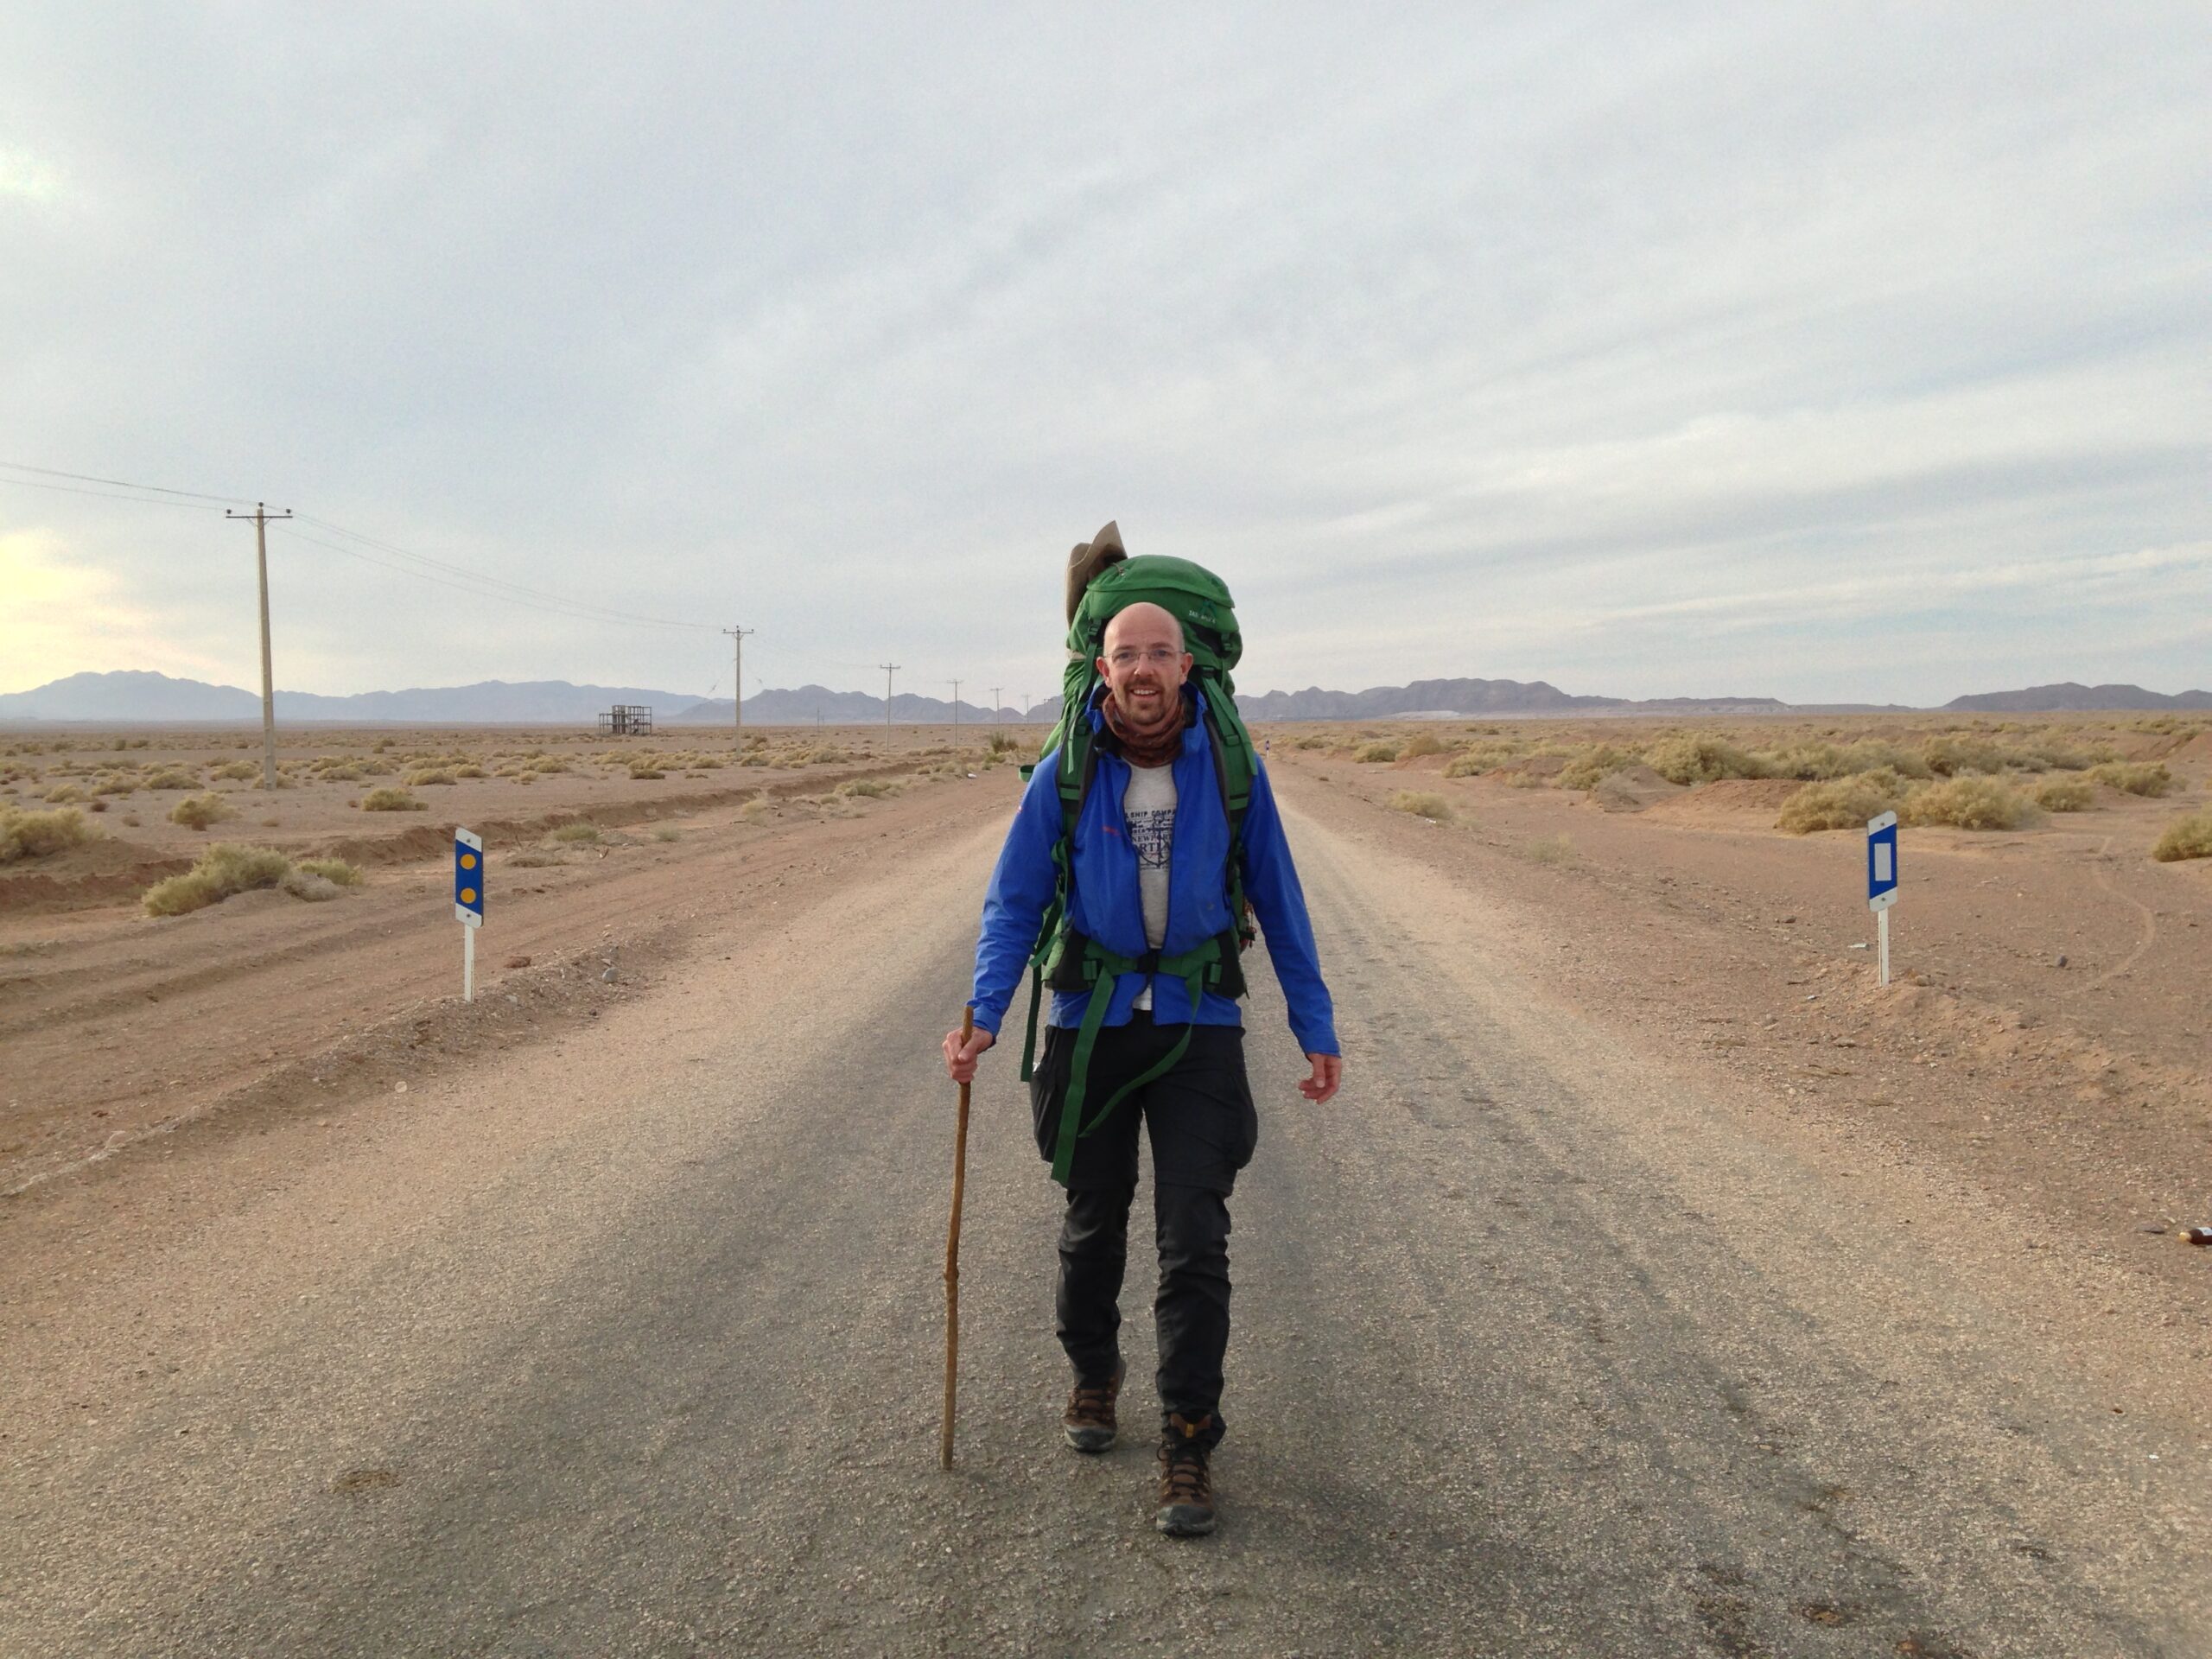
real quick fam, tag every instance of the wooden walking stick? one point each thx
(953, 1260)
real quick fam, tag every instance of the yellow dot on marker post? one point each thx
(468, 860)
(468, 896)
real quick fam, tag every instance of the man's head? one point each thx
(1144, 661)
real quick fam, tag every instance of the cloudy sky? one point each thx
(1825, 352)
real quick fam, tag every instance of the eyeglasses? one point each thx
(1157, 656)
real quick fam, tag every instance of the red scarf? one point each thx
(1155, 745)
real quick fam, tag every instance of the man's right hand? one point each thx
(960, 1057)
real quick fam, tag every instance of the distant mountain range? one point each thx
(138, 697)
(2071, 698)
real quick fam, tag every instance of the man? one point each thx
(1149, 862)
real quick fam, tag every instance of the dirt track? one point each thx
(1549, 1340)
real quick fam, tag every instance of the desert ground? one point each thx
(1658, 1284)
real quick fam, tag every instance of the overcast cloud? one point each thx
(1834, 352)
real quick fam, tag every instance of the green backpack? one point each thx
(1102, 581)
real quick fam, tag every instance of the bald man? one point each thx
(1149, 862)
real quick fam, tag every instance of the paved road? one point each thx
(1538, 1350)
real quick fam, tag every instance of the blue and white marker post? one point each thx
(467, 902)
(1881, 880)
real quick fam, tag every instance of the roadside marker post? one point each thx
(467, 902)
(1882, 881)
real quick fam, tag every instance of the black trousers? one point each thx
(1202, 1127)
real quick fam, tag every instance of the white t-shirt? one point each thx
(1148, 807)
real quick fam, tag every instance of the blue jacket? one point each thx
(1105, 904)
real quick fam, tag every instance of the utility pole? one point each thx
(889, 669)
(997, 691)
(737, 683)
(261, 516)
(955, 684)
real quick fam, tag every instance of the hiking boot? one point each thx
(1185, 1488)
(1089, 1421)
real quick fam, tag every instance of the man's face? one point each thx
(1144, 662)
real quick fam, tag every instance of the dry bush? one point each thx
(1955, 755)
(667, 832)
(1841, 802)
(2146, 777)
(393, 800)
(525, 777)
(1005, 743)
(335, 870)
(2189, 837)
(1375, 754)
(1703, 759)
(1821, 762)
(313, 889)
(225, 868)
(2066, 795)
(582, 829)
(1422, 743)
(63, 794)
(425, 776)
(1483, 757)
(344, 771)
(1968, 802)
(756, 809)
(1549, 849)
(40, 834)
(1591, 764)
(234, 771)
(645, 774)
(169, 777)
(870, 788)
(1435, 808)
(198, 811)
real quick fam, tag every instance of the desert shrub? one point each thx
(422, 776)
(1968, 802)
(1955, 755)
(311, 888)
(1483, 757)
(580, 831)
(2056, 754)
(1549, 849)
(2065, 794)
(234, 771)
(525, 777)
(1820, 762)
(335, 870)
(198, 811)
(340, 773)
(1422, 743)
(2189, 837)
(1593, 763)
(1005, 743)
(1841, 802)
(63, 794)
(116, 783)
(1703, 759)
(40, 834)
(706, 762)
(1372, 754)
(867, 787)
(756, 809)
(225, 868)
(393, 800)
(169, 777)
(2147, 778)
(1433, 807)
(667, 832)
(645, 774)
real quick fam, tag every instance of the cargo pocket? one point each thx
(1048, 1085)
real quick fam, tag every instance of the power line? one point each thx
(124, 484)
(486, 587)
(107, 495)
(551, 606)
